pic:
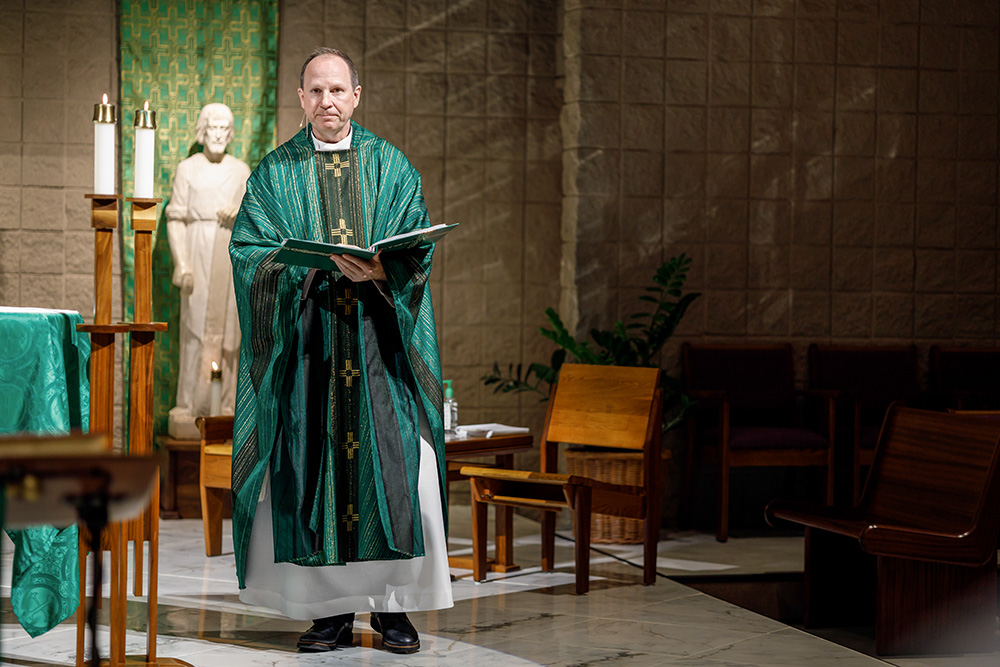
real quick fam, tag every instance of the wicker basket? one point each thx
(616, 467)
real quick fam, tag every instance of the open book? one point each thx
(316, 255)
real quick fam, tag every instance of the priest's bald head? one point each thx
(329, 93)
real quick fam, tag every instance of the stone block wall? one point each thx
(470, 91)
(830, 166)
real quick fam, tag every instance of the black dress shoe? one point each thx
(398, 634)
(326, 634)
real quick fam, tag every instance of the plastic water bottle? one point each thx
(450, 409)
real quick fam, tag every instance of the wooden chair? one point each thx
(869, 378)
(965, 378)
(752, 416)
(215, 477)
(603, 406)
(919, 549)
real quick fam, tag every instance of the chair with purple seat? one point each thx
(869, 379)
(751, 415)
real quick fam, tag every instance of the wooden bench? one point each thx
(918, 553)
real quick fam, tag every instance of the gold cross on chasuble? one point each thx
(336, 166)
(349, 373)
(351, 445)
(346, 302)
(350, 518)
(343, 231)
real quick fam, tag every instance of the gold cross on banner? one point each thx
(349, 373)
(343, 232)
(350, 518)
(335, 165)
(346, 302)
(351, 445)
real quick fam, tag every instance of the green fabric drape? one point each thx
(44, 389)
(180, 55)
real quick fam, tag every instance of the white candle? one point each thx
(215, 393)
(145, 131)
(104, 148)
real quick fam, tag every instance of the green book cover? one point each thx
(316, 255)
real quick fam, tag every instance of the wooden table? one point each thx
(503, 448)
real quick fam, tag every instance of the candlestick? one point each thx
(105, 118)
(145, 131)
(215, 395)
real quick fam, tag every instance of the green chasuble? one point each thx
(333, 377)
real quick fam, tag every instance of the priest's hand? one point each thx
(360, 270)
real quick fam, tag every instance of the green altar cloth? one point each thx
(44, 389)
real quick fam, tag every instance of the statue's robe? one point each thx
(334, 379)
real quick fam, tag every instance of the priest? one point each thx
(338, 453)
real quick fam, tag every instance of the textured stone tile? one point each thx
(976, 226)
(597, 218)
(730, 84)
(508, 15)
(894, 270)
(810, 314)
(814, 133)
(543, 140)
(600, 78)
(687, 36)
(892, 315)
(857, 43)
(11, 75)
(11, 32)
(901, 11)
(815, 86)
(725, 312)
(42, 164)
(773, 40)
(771, 131)
(855, 134)
(934, 270)
(810, 269)
(42, 252)
(687, 82)
(897, 90)
(600, 31)
(10, 208)
(768, 312)
(897, 135)
(730, 38)
(939, 46)
(856, 88)
(895, 180)
(10, 251)
(685, 175)
(935, 226)
(10, 163)
(936, 180)
(504, 181)
(975, 316)
(10, 110)
(894, 224)
(813, 177)
(42, 209)
(851, 314)
(899, 45)
(683, 221)
(426, 51)
(727, 219)
(732, 7)
(976, 137)
(728, 129)
(934, 316)
(977, 93)
(772, 85)
(771, 176)
(90, 78)
(686, 129)
(853, 224)
(727, 175)
(386, 13)
(939, 91)
(811, 223)
(976, 181)
(815, 41)
(852, 269)
(937, 136)
(642, 174)
(417, 99)
(45, 33)
(975, 271)
(853, 178)
(42, 291)
(644, 80)
(769, 266)
(770, 222)
(726, 265)
(979, 48)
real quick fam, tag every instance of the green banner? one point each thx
(180, 55)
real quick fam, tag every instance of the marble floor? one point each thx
(523, 618)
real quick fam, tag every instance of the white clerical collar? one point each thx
(342, 145)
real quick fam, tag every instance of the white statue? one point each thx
(208, 188)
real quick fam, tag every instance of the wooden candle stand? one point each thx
(142, 333)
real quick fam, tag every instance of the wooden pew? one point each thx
(918, 552)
